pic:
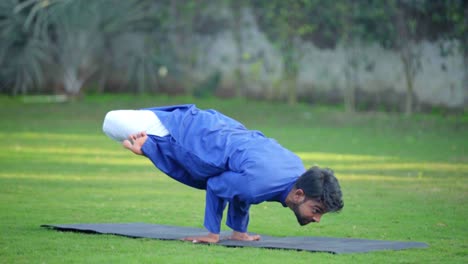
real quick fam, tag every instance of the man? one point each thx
(207, 150)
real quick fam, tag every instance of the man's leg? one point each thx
(130, 127)
(121, 124)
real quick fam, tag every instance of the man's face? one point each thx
(307, 211)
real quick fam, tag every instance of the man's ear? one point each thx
(299, 195)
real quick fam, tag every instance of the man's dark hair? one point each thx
(321, 185)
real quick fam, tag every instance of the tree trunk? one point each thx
(292, 90)
(237, 34)
(350, 63)
(351, 77)
(291, 68)
(102, 83)
(464, 43)
(409, 84)
(72, 83)
(465, 75)
(407, 57)
(349, 94)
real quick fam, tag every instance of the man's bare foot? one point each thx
(210, 238)
(244, 236)
(135, 142)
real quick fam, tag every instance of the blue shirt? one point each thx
(208, 150)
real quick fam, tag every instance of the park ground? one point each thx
(403, 178)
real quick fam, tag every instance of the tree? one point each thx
(75, 35)
(391, 25)
(22, 52)
(350, 14)
(186, 21)
(237, 7)
(452, 16)
(77, 42)
(81, 30)
(286, 22)
(406, 47)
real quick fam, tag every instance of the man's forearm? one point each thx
(214, 208)
(238, 216)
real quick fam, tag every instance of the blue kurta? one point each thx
(208, 150)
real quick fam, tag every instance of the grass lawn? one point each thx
(403, 179)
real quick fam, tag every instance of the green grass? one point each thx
(402, 178)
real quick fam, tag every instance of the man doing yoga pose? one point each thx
(207, 150)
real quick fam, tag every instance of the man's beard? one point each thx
(299, 217)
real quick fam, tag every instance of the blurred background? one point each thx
(399, 56)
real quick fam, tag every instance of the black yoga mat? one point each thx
(313, 244)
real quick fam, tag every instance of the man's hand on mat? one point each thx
(135, 142)
(210, 238)
(244, 236)
(214, 238)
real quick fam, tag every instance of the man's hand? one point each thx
(210, 238)
(135, 142)
(214, 238)
(244, 236)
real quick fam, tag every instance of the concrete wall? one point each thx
(439, 81)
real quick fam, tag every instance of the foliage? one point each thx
(73, 42)
(286, 23)
(77, 36)
(22, 53)
(393, 24)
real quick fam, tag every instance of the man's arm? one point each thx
(217, 196)
(229, 186)
(213, 215)
(238, 220)
(238, 216)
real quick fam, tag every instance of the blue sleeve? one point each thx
(238, 216)
(213, 211)
(229, 187)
